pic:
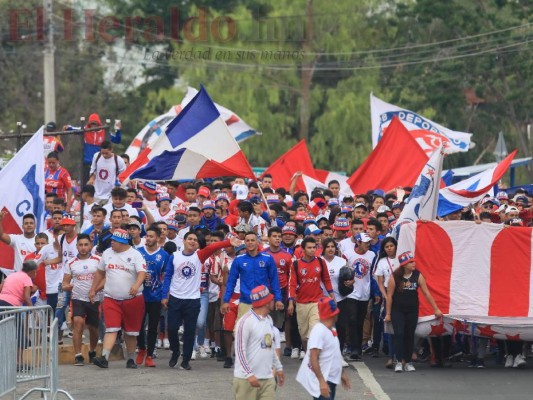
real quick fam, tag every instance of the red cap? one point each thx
(203, 191)
(327, 308)
(260, 296)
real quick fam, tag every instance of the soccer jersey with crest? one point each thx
(121, 272)
(82, 272)
(362, 265)
(283, 261)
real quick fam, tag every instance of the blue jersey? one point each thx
(252, 272)
(155, 266)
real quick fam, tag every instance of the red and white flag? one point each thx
(473, 270)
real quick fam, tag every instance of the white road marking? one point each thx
(370, 382)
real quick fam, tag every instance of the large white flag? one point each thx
(427, 133)
(22, 183)
(424, 198)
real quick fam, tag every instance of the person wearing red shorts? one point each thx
(124, 271)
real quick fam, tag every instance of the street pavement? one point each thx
(370, 380)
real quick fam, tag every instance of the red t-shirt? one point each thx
(40, 277)
(284, 264)
(57, 182)
(304, 283)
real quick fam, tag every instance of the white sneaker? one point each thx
(295, 353)
(159, 344)
(519, 361)
(409, 367)
(180, 330)
(207, 349)
(166, 343)
(282, 337)
(344, 363)
(302, 355)
(203, 353)
(398, 367)
(193, 356)
(509, 361)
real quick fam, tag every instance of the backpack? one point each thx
(116, 162)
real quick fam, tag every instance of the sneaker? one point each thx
(174, 359)
(193, 355)
(228, 363)
(149, 362)
(185, 365)
(344, 363)
(159, 344)
(140, 357)
(101, 362)
(398, 367)
(480, 363)
(375, 353)
(166, 344)
(282, 337)
(409, 367)
(92, 355)
(287, 352)
(154, 356)
(355, 356)
(203, 353)
(366, 348)
(131, 364)
(473, 363)
(220, 355)
(295, 353)
(509, 361)
(78, 361)
(302, 355)
(212, 352)
(519, 361)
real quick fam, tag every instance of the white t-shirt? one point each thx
(69, 248)
(330, 360)
(53, 272)
(141, 243)
(345, 245)
(362, 265)
(334, 266)
(22, 247)
(106, 174)
(386, 266)
(82, 273)
(87, 216)
(121, 272)
(181, 236)
(187, 276)
(150, 204)
(162, 217)
(109, 207)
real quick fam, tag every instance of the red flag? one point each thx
(396, 161)
(294, 160)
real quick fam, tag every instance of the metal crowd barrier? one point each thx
(8, 356)
(34, 341)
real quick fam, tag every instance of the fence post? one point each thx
(19, 137)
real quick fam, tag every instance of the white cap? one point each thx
(241, 191)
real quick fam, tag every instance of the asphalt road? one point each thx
(370, 380)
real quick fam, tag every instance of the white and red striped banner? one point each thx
(477, 273)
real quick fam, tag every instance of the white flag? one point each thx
(428, 134)
(424, 198)
(22, 183)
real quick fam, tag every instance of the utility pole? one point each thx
(49, 77)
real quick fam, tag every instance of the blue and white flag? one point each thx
(428, 134)
(453, 198)
(22, 183)
(423, 200)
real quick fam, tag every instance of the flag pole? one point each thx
(263, 196)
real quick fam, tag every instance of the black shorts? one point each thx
(214, 318)
(87, 310)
